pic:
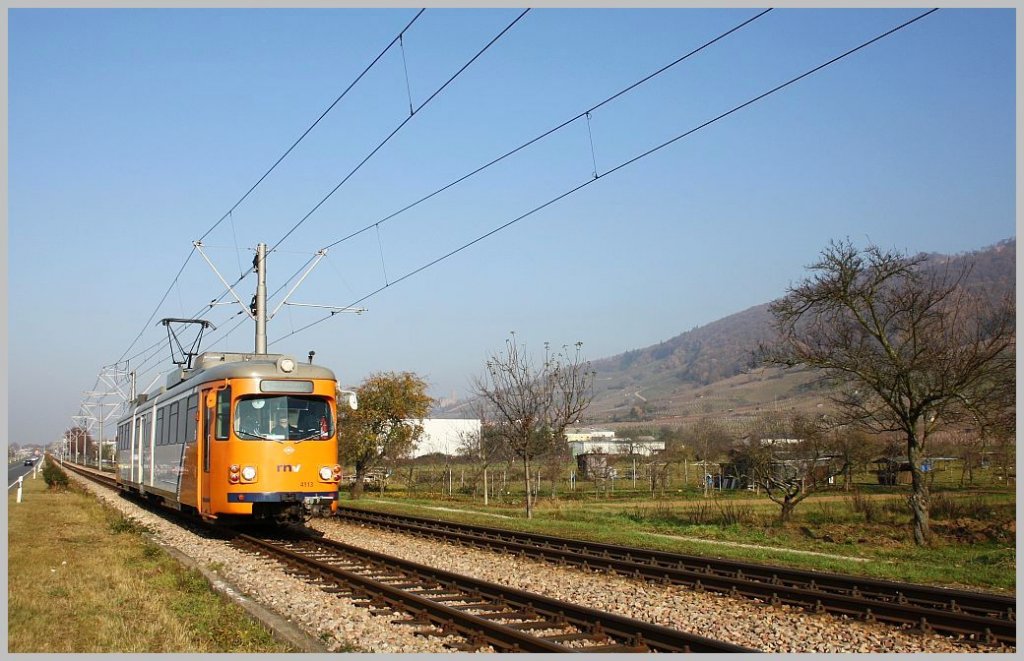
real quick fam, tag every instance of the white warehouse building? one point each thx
(445, 435)
(600, 441)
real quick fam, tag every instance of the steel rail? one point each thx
(623, 634)
(629, 635)
(103, 478)
(977, 616)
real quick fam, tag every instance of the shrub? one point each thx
(702, 513)
(864, 505)
(736, 514)
(827, 513)
(897, 507)
(943, 506)
(54, 476)
(121, 524)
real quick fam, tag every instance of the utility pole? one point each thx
(260, 264)
(257, 308)
(83, 425)
(101, 418)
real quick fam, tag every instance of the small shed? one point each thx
(895, 470)
(594, 465)
(891, 471)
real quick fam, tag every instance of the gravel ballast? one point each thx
(342, 626)
(338, 624)
(740, 621)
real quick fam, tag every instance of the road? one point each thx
(16, 470)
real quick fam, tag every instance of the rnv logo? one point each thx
(288, 468)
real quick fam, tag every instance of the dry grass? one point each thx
(83, 579)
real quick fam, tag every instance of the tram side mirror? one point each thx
(350, 398)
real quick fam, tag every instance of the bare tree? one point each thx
(852, 446)
(911, 348)
(709, 441)
(529, 407)
(790, 459)
(483, 446)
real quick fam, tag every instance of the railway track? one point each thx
(482, 613)
(106, 479)
(975, 616)
(443, 603)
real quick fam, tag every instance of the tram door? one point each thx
(206, 431)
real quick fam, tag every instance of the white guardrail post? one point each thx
(19, 487)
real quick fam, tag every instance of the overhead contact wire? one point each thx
(555, 129)
(396, 130)
(265, 174)
(145, 326)
(313, 125)
(622, 165)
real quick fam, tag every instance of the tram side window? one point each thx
(161, 428)
(190, 419)
(172, 424)
(179, 434)
(223, 414)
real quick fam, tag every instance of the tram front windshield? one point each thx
(283, 418)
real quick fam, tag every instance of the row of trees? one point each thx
(524, 410)
(905, 350)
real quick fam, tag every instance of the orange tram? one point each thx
(236, 437)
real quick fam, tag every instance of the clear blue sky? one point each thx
(133, 131)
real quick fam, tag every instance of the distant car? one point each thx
(30, 462)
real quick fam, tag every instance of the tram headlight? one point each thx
(325, 473)
(249, 473)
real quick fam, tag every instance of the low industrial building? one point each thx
(445, 435)
(601, 441)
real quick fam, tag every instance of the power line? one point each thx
(396, 130)
(543, 135)
(550, 131)
(397, 39)
(265, 174)
(620, 166)
(394, 41)
(145, 326)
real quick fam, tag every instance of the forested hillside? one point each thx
(648, 378)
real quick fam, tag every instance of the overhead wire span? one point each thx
(621, 166)
(396, 130)
(153, 350)
(550, 131)
(157, 308)
(265, 174)
(585, 113)
(397, 39)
